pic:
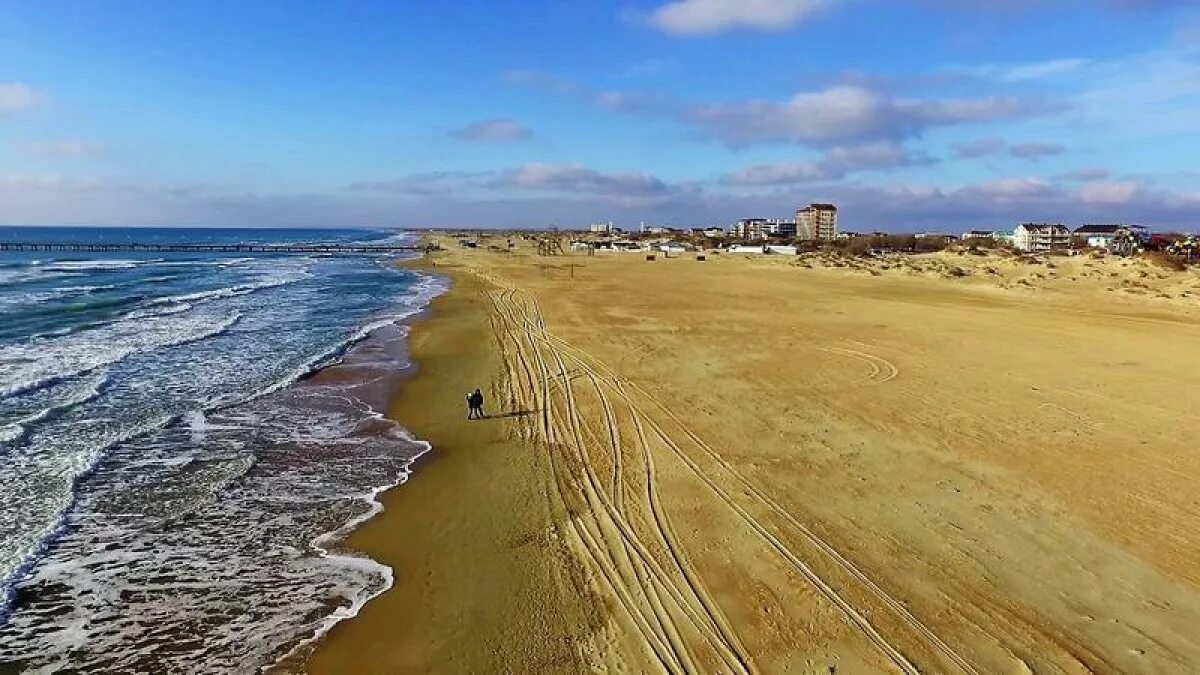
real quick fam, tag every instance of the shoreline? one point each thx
(477, 580)
(352, 364)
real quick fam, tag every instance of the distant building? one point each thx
(713, 232)
(941, 238)
(817, 222)
(746, 248)
(978, 234)
(657, 229)
(1102, 236)
(764, 228)
(783, 228)
(603, 228)
(1036, 237)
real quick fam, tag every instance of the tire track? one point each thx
(652, 618)
(884, 371)
(732, 660)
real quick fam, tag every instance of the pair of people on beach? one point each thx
(475, 405)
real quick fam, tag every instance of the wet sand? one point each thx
(468, 534)
(750, 464)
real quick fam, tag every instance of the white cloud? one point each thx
(425, 184)
(494, 130)
(706, 17)
(575, 178)
(781, 173)
(876, 155)
(65, 147)
(841, 114)
(16, 96)
(1028, 72)
(1110, 192)
(838, 161)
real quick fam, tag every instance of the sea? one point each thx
(185, 441)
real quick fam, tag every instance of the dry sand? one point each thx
(781, 464)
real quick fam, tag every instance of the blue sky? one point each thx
(910, 114)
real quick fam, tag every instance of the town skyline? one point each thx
(691, 112)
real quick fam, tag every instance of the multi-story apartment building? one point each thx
(1034, 237)
(764, 228)
(817, 222)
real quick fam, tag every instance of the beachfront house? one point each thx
(1102, 236)
(1097, 236)
(1040, 237)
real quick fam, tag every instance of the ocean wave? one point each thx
(38, 362)
(176, 540)
(47, 402)
(412, 302)
(34, 545)
(94, 265)
(233, 291)
(36, 297)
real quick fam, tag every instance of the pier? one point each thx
(212, 248)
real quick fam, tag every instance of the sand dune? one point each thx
(798, 464)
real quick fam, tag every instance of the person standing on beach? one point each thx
(478, 395)
(470, 405)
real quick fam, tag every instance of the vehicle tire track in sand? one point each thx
(733, 658)
(882, 370)
(718, 622)
(585, 542)
(640, 568)
(817, 541)
(889, 371)
(534, 328)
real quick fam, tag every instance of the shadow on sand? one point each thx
(501, 416)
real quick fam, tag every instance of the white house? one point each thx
(1102, 236)
(1036, 237)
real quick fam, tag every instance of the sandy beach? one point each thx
(945, 463)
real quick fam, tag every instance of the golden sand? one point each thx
(939, 464)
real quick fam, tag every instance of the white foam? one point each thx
(322, 545)
(39, 361)
(93, 265)
(273, 281)
(74, 394)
